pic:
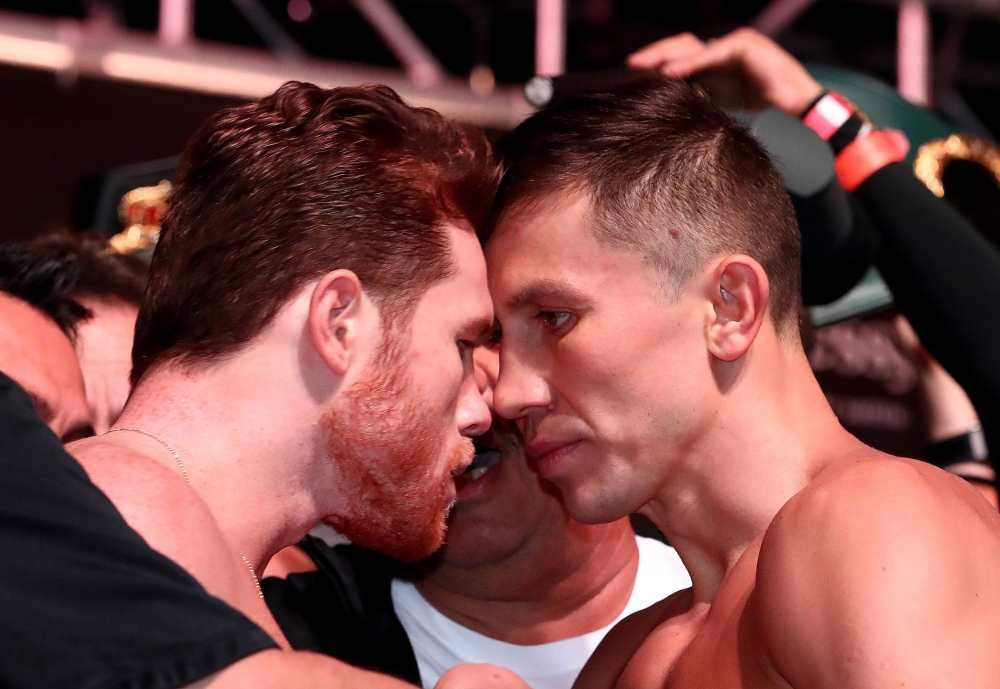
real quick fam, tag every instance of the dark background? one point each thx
(52, 134)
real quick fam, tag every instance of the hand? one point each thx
(480, 676)
(769, 76)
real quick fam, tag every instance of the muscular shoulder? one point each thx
(163, 509)
(881, 570)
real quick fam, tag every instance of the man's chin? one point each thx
(400, 541)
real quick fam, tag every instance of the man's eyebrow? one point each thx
(547, 291)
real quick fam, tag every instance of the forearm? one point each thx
(946, 280)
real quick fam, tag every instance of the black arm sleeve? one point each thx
(945, 277)
(84, 601)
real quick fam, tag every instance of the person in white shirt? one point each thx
(518, 584)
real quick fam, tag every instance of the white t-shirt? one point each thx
(440, 643)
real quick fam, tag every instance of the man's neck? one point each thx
(531, 597)
(246, 449)
(774, 433)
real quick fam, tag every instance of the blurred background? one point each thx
(89, 85)
(97, 98)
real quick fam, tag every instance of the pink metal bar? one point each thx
(420, 64)
(176, 22)
(778, 15)
(550, 37)
(913, 52)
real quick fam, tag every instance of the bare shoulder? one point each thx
(163, 509)
(882, 570)
(609, 660)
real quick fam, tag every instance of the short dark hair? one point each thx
(306, 180)
(667, 174)
(103, 274)
(44, 278)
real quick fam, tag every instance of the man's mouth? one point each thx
(485, 459)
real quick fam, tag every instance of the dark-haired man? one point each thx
(110, 287)
(644, 266)
(304, 348)
(38, 321)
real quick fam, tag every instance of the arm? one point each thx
(883, 573)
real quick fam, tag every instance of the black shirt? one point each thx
(85, 603)
(344, 609)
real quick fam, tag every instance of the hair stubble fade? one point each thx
(277, 192)
(668, 175)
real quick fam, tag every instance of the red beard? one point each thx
(387, 442)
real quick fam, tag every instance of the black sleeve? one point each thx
(344, 609)
(84, 601)
(945, 277)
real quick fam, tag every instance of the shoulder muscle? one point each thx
(882, 572)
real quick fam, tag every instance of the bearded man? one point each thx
(304, 348)
(644, 266)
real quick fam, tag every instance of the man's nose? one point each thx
(519, 390)
(473, 414)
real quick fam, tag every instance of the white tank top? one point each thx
(440, 643)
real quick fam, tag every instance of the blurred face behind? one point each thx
(501, 501)
(104, 347)
(606, 374)
(401, 434)
(39, 357)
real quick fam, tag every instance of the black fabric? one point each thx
(85, 603)
(828, 274)
(945, 277)
(848, 132)
(344, 609)
(964, 447)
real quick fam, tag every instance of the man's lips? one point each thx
(538, 450)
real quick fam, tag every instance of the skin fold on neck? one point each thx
(533, 597)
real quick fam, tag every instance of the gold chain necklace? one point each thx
(184, 473)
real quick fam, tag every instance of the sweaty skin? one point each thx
(816, 561)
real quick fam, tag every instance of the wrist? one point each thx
(868, 154)
(964, 455)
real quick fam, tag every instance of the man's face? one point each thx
(606, 374)
(501, 502)
(400, 435)
(39, 357)
(104, 346)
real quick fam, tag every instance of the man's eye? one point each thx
(495, 335)
(555, 319)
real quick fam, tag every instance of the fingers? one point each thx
(724, 52)
(657, 54)
(764, 67)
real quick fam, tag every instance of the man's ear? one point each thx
(739, 294)
(334, 315)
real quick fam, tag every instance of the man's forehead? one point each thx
(550, 256)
